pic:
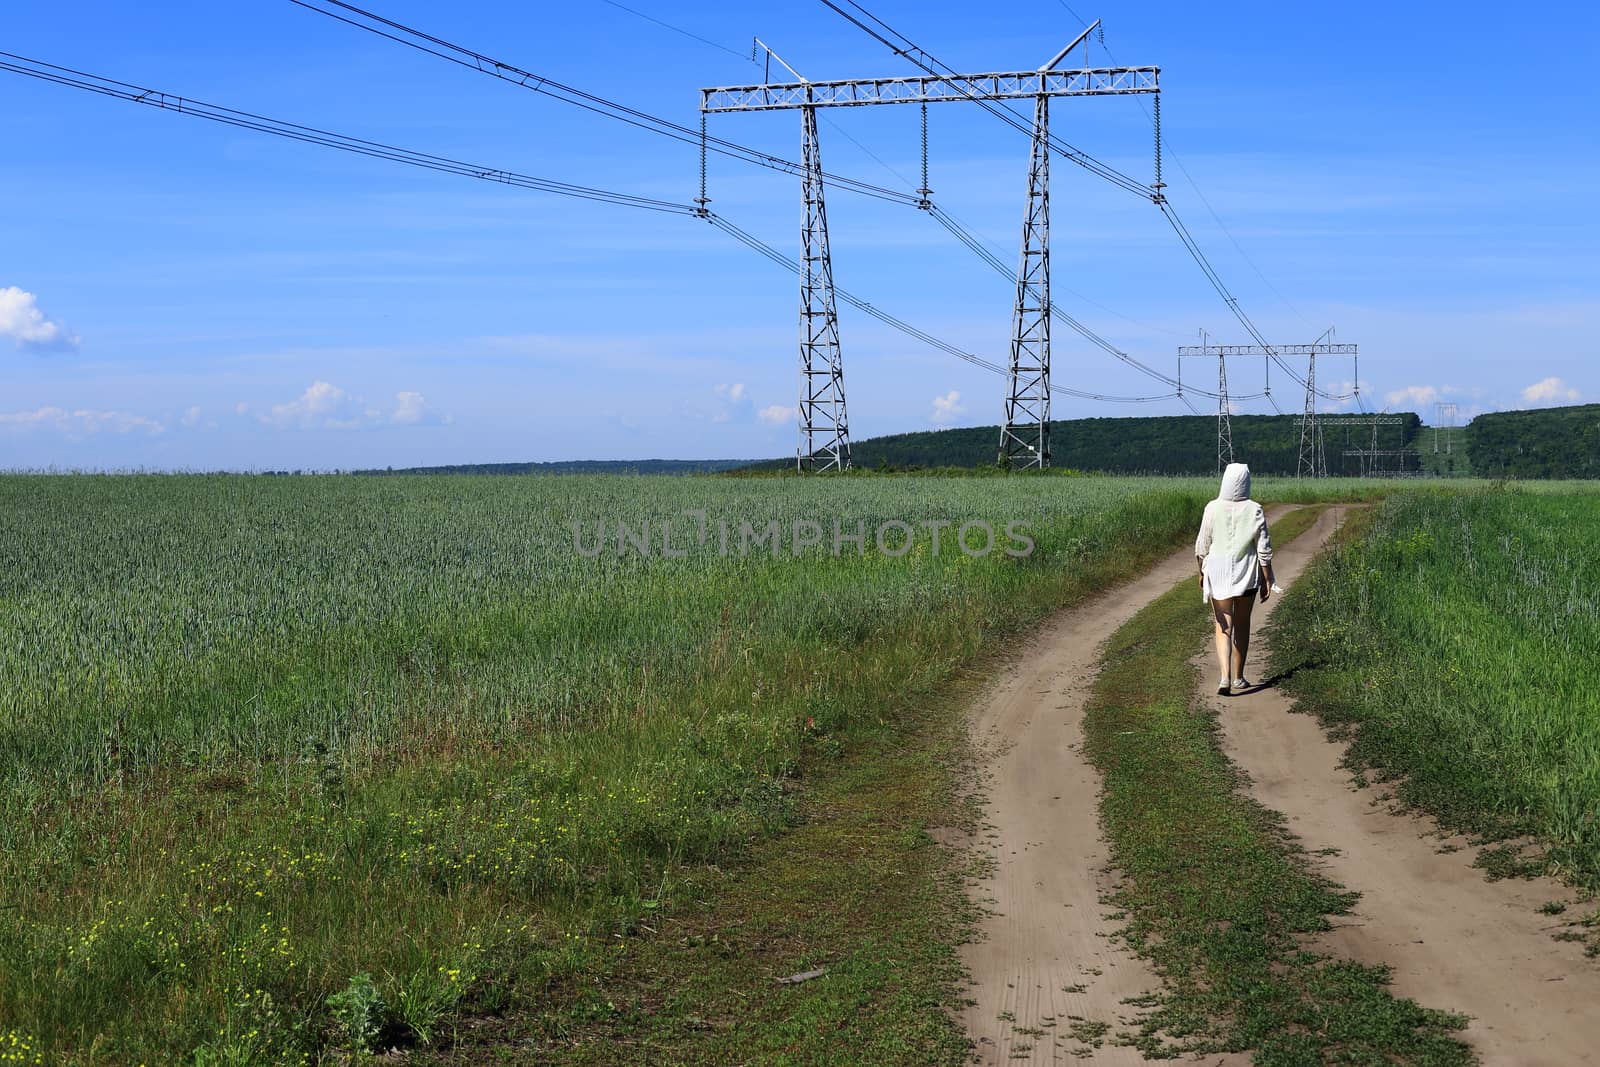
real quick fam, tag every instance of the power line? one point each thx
(1233, 305)
(77, 79)
(750, 58)
(948, 220)
(156, 98)
(989, 256)
(675, 29)
(921, 58)
(461, 56)
(465, 57)
(1173, 154)
(792, 265)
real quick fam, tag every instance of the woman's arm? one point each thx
(1202, 544)
(1264, 559)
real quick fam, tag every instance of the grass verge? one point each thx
(859, 888)
(1216, 893)
(1452, 640)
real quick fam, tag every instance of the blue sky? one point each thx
(175, 294)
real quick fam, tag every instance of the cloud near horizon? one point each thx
(325, 406)
(947, 408)
(27, 326)
(80, 422)
(1420, 395)
(777, 414)
(408, 407)
(1550, 391)
(732, 402)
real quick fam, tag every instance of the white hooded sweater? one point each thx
(1233, 541)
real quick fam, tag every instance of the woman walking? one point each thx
(1235, 557)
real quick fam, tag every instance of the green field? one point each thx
(1458, 642)
(265, 736)
(294, 768)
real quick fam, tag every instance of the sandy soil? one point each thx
(1044, 954)
(1454, 940)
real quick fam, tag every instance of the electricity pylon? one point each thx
(824, 437)
(1370, 460)
(824, 429)
(1312, 463)
(1025, 434)
(1312, 455)
(1224, 416)
(1313, 460)
(1444, 413)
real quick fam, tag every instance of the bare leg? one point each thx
(1222, 614)
(1242, 607)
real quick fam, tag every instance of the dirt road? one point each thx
(1454, 940)
(1044, 956)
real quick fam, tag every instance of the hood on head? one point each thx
(1235, 482)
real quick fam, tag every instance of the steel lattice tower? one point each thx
(1224, 416)
(824, 437)
(1444, 414)
(824, 429)
(1313, 461)
(1025, 434)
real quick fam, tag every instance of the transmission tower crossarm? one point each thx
(1337, 421)
(1322, 349)
(933, 88)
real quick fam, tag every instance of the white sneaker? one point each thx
(1241, 683)
(1223, 689)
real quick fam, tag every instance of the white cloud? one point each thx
(23, 322)
(946, 408)
(325, 406)
(777, 414)
(1549, 391)
(732, 402)
(407, 408)
(318, 405)
(1418, 395)
(80, 422)
(191, 416)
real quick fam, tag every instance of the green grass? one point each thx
(260, 737)
(1455, 644)
(1451, 459)
(1215, 891)
(857, 886)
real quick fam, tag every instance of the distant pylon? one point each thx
(1025, 435)
(1313, 458)
(1224, 415)
(824, 429)
(1444, 414)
